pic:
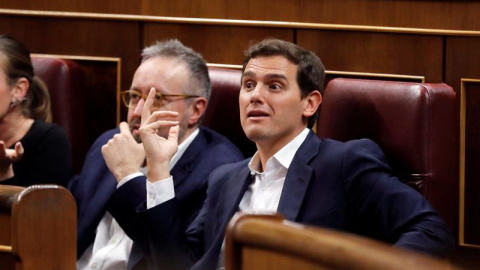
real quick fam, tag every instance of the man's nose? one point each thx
(137, 111)
(255, 94)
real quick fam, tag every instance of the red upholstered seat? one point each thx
(223, 113)
(415, 124)
(66, 83)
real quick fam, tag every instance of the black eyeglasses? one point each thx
(131, 98)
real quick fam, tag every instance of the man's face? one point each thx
(271, 108)
(167, 76)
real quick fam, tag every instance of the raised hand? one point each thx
(159, 149)
(7, 157)
(123, 154)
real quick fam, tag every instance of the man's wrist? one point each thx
(160, 171)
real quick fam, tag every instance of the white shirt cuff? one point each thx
(128, 178)
(160, 192)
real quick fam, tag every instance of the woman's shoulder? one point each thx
(42, 126)
(41, 130)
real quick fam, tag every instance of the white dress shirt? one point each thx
(263, 194)
(111, 247)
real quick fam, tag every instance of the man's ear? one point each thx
(20, 89)
(197, 109)
(312, 102)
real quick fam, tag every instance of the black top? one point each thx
(47, 157)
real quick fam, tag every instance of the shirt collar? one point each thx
(284, 156)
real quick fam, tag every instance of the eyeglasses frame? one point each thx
(144, 96)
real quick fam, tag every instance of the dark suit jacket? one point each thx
(95, 185)
(345, 186)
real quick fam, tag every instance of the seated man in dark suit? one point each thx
(178, 77)
(345, 186)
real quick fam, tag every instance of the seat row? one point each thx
(414, 123)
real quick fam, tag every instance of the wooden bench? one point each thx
(264, 242)
(37, 228)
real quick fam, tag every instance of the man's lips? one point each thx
(135, 129)
(257, 113)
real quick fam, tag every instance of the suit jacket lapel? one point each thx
(298, 178)
(232, 195)
(186, 163)
(93, 209)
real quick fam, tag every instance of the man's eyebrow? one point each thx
(248, 74)
(267, 77)
(275, 76)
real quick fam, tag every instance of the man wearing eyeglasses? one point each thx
(115, 165)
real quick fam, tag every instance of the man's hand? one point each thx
(7, 157)
(159, 150)
(123, 154)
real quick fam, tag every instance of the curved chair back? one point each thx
(414, 123)
(223, 113)
(269, 242)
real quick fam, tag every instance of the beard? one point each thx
(131, 125)
(181, 133)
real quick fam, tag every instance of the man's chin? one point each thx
(137, 138)
(255, 135)
(136, 135)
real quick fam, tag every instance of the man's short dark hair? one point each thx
(310, 74)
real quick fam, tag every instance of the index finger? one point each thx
(148, 104)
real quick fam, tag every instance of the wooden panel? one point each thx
(398, 13)
(465, 257)
(403, 54)
(217, 44)
(107, 6)
(468, 252)
(461, 60)
(422, 14)
(5, 235)
(330, 75)
(6, 260)
(470, 157)
(102, 91)
(78, 37)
